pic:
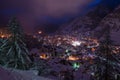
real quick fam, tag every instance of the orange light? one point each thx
(93, 49)
(73, 58)
(44, 56)
(2, 36)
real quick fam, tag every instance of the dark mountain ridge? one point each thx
(96, 22)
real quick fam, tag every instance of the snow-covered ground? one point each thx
(12, 74)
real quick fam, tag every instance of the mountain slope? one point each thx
(88, 22)
(112, 20)
(96, 22)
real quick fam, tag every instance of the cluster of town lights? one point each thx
(76, 43)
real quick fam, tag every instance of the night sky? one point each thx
(46, 14)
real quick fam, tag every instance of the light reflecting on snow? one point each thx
(76, 43)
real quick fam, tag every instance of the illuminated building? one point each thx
(4, 33)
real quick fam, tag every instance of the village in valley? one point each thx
(59, 39)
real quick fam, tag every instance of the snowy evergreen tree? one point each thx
(106, 65)
(1, 41)
(13, 51)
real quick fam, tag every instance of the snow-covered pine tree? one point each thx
(1, 43)
(13, 51)
(106, 65)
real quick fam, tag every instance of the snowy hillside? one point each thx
(87, 22)
(12, 74)
(96, 22)
(113, 21)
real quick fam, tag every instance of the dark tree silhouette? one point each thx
(13, 51)
(106, 66)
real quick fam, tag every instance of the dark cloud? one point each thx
(58, 8)
(31, 13)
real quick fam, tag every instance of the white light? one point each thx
(76, 43)
(39, 32)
